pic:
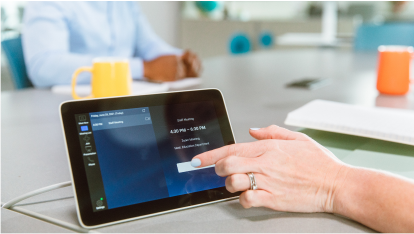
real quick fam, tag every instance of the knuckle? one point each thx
(233, 180)
(246, 206)
(228, 164)
(249, 197)
(246, 199)
(273, 127)
(229, 187)
(303, 135)
(217, 169)
(230, 184)
(231, 150)
(242, 201)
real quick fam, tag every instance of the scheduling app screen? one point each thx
(143, 154)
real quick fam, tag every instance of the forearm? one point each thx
(46, 70)
(376, 199)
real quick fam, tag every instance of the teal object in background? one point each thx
(207, 6)
(14, 53)
(370, 36)
(239, 44)
(266, 39)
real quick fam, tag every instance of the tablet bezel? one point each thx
(90, 219)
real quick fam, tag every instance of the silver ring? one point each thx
(253, 184)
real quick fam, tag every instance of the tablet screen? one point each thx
(143, 154)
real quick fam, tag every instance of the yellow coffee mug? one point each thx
(110, 77)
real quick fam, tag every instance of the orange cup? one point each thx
(394, 69)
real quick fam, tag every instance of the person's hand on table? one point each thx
(192, 64)
(165, 68)
(293, 172)
(172, 67)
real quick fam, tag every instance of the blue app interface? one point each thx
(143, 154)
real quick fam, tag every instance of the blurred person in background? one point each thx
(59, 37)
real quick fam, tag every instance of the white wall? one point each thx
(165, 18)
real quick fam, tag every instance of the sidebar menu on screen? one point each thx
(91, 163)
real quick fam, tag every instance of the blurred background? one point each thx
(216, 28)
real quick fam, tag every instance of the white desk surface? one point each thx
(33, 153)
(12, 221)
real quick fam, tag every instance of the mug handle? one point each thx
(74, 78)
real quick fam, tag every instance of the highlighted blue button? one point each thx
(84, 128)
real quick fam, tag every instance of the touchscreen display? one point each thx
(143, 154)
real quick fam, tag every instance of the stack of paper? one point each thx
(375, 122)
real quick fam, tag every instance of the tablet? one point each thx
(130, 156)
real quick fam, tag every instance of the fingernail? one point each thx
(254, 129)
(195, 162)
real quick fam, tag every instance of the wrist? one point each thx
(147, 69)
(337, 188)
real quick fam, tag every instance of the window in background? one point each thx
(11, 18)
(11, 25)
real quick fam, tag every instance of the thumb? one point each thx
(276, 132)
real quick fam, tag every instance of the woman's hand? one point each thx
(292, 171)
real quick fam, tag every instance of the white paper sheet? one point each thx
(396, 125)
(183, 84)
(138, 87)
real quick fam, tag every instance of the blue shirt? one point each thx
(59, 37)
